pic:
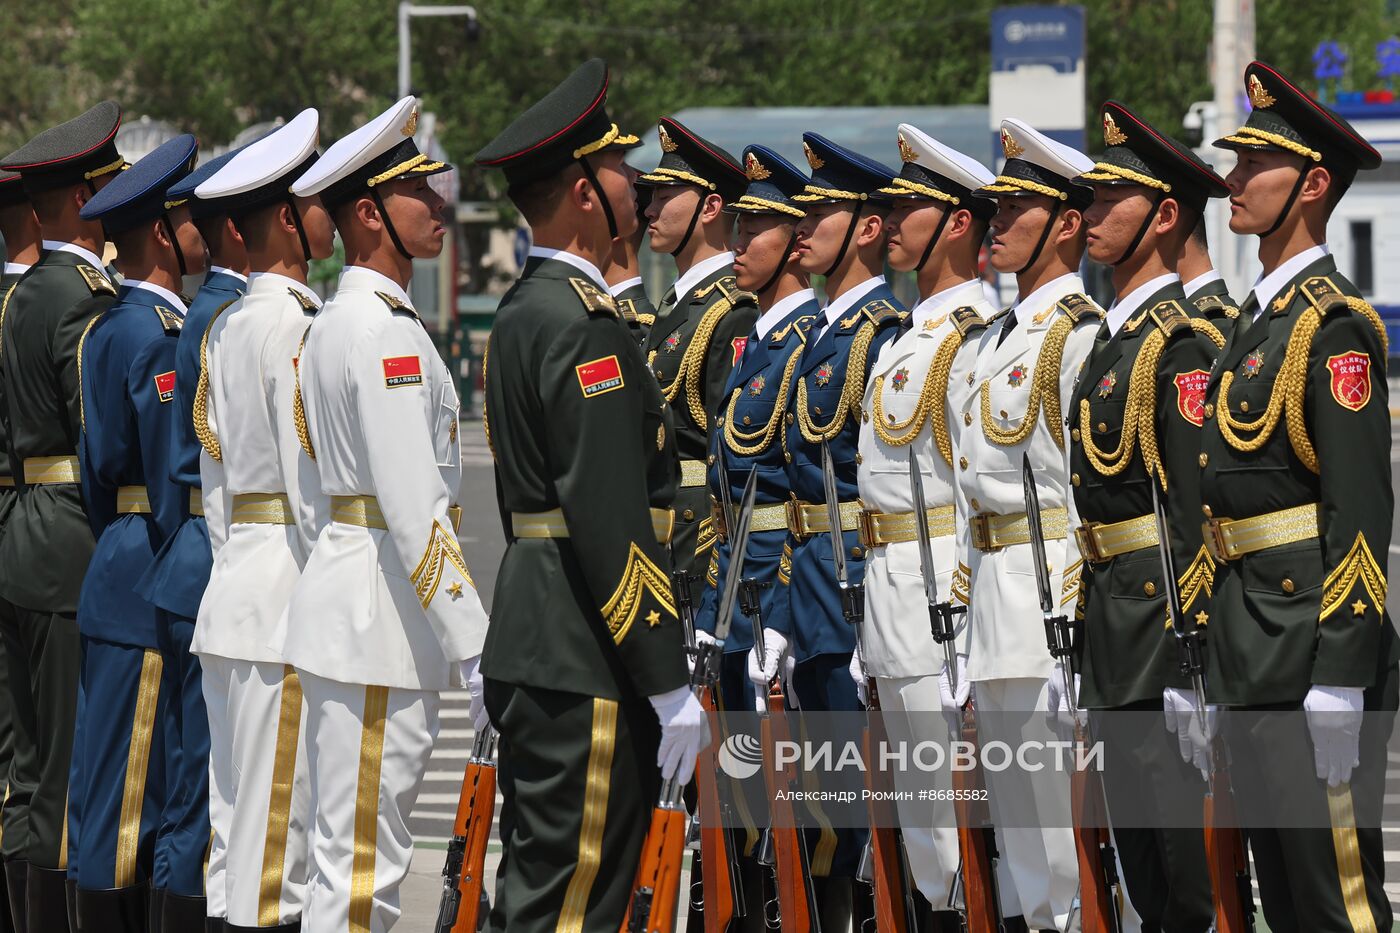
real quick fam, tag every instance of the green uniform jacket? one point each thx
(1293, 421)
(636, 309)
(7, 494)
(1129, 652)
(692, 351)
(1212, 301)
(44, 553)
(575, 422)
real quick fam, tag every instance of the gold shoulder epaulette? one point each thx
(1208, 304)
(880, 311)
(728, 286)
(1169, 316)
(169, 320)
(96, 282)
(798, 325)
(1080, 309)
(626, 309)
(967, 320)
(646, 320)
(397, 305)
(1324, 295)
(594, 299)
(311, 307)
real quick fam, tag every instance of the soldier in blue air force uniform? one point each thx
(126, 368)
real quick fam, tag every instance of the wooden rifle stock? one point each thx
(465, 870)
(976, 841)
(656, 887)
(716, 852)
(1225, 853)
(796, 899)
(888, 878)
(1093, 845)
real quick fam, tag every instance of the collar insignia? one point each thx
(1285, 299)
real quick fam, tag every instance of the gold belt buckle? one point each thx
(1215, 540)
(796, 520)
(865, 529)
(1088, 541)
(981, 525)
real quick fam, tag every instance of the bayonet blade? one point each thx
(833, 512)
(726, 497)
(738, 547)
(916, 488)
(1164, 551)
(1042, 568)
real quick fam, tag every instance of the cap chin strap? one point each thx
(933, 240)
(301, 233)
(388, 225)
(1142, 230)
(846, 242)
(175, 244)
(690, 229)
(1044, 236)
(1292, 197)
(782, 263)
(602, 196)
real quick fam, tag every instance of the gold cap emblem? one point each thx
(1009, 147)
(1258, 97)
(410, 127)
(754, 169)
(813, 159)
(906, 151)
(1112, 135)
(667, 143)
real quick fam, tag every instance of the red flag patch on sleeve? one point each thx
(1351, 379)
(165, 385)
(599, 376)
(739, 344)
(402, 371)
(1191, 395)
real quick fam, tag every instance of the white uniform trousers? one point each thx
(368, 748)
(913, 714)
(259, 778)
(215, 684)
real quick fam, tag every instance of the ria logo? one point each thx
(740, 756)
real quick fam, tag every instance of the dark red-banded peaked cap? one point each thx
(12, 192)
(689, 159)
(1136, 153)
(568, 123)
(82, 149)
(1286, 118)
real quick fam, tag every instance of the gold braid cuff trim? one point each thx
(1045, 393)
(207, 438)
(1249, 136)
(705, 536)
(1103, 171)
(1359, 564)
(1072, 583)
(742, 442)
(1005, 184)
(639, 576)
(442, 550)
(82, 341)
(785, 564)
(298, 408)
(712, 574)
(1198, 578)
(852, 391)
(961, 588)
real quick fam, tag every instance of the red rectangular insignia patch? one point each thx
(165, 385)
(599, 376)
(402, 371)
(1351, 379)
(739, 344)
(1191, 395)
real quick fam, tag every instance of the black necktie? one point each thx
(1007, 327)
(1102, 338)
(668, 302)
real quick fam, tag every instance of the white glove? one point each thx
(763, 670)
(471, 679)
(1334, 722)
(702, 638)
(790, 665)
(1179, 713)
(685, 731)
(1057, 713)
(857, 672)
(954, 701)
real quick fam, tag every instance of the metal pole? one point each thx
(406, 12)
(1232, 48)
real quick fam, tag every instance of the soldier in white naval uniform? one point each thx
(1027, 363)
(386, 612)
(265, 494)
(916, 392)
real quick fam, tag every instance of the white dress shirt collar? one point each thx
(220, 270)
(621, 287)
(1131, 303)
(16, 268)
(1267, 287)
(1059, 286)
(1201, 281)
(849, 298)
(782, 308)
(573, 259)
(279, 281)
(963, 293)
(699, 272)
(374, 281)
(81, 252)
(177, 303)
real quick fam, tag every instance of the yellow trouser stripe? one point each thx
(1348, 852)
(595, 817)
(367, 809)
(284, 766)
(137, 761)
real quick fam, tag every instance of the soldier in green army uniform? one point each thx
(20, 230)
(584, 654)
(703, 321)
(48, 541)
(1205, 288)
(1297, 494)
(624, 277)
(1135, 419)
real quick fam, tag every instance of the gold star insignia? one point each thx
(1202, 617)
(1358, 608)
(455, 590)
(653, 618)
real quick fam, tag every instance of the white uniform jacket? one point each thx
(386, 598)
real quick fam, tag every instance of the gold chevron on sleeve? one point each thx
(442, 550)
(1072, 583)
(638, 577)
(705, 536)
(1197, 579)
(785, 565)
(1358, 565)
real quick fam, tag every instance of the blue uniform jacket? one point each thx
(127, 366)
(834, 393)
(176, 580)
(759, 379)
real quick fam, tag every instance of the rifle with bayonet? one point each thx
(1098, 867)
(656, 886)
(882, 863)
(976, 840)
(463, 875)
(1225, 846)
